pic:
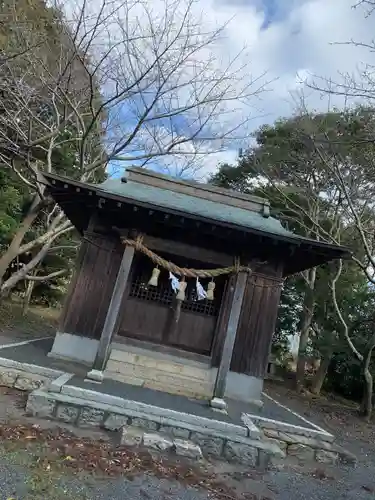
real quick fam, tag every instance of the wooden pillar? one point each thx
(229, 340)
(110, 323)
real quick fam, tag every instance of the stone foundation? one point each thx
(217, 442)
(24, 376)
(74, 348)
(176, 375)
(265, 443)
(167, 430)
(308, 449)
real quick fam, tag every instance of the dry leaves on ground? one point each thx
(58, 450)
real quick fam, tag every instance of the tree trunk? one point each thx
(366, 405)
(306, 319)
(19, 275)
(28, 295)
(318, 380)
(326, 351)
(13, 249)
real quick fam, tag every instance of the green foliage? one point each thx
(13, 197)
(39, 59)
(33, 25)
(288, 165)
(39, 51)
(345, 375)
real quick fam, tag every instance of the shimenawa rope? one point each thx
(184, 271)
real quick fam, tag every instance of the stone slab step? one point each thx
(185, 368)
(144, 371)
(158, 375)
(193, 390)
(190, 392)
(124, 378)
(154, 353)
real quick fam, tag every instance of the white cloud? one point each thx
(300, 42)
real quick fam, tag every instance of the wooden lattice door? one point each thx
(149, 312)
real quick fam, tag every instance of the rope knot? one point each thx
(138, 242)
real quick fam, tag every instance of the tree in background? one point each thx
(317, 170)
(289, 312)
(95, 85)
(288, 172)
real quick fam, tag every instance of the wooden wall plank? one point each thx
(77, 269)
(89, 298)
(257, 324)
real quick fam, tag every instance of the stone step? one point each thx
(157, 374)
(168, 364)
(197, 371)
(162, 372)
(154, 353)
(193, 389)
(190, 392)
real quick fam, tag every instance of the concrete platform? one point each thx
(36, 353)
(246, 432)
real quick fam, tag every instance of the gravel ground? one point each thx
(342, 484)
(19, 482)
(22, 477)
(16, 483)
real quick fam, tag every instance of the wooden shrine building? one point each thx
(201, 239)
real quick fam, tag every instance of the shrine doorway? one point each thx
(149, 313)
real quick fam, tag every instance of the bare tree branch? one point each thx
(47, 277)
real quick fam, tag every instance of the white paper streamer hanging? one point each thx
(201, 292)
(174, 282)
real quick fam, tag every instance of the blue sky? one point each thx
(292, 41)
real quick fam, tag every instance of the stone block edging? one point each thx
(267, 424)
(84, 413)
(307, 449)
(160, 415)
(25, 376)
(273, 446)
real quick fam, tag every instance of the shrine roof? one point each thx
(188, 204)
(152, 193)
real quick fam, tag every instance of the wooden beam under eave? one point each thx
(185, 250)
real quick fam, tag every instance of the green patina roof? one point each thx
(81, 203)
(189, 204)
(169, 200)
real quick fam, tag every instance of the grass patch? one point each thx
(37, 321)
